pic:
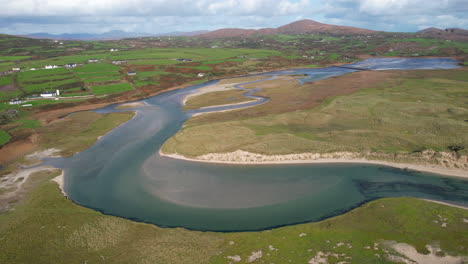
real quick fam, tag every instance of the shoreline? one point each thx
(417, 167)
(60, 180)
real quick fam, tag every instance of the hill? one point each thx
(298, 27)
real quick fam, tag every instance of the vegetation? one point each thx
(4, 137)
(112, 88)
(80, 130)
(48, 227)
(216, 98)
(397, 112)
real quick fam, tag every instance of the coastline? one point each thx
(417, 167)
(60, 180)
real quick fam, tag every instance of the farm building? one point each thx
(15, 102)
(131, 73)
(201, 75)
(112, 50)
(70, 65)
(16, 69)
(93, 60)
(119, 62)
(49, 94)
(51, 67)
(182, 59)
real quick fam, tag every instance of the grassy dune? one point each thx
(79, 131)
(216, 98)
(48, 228)
(387, 112)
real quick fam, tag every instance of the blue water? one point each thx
(123, 174)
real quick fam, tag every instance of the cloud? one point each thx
(152, 7)
(158, 16)
(400, 15)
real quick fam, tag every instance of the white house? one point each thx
(51, 67)
(70, 65)
(93, 60)
(16, 69)
(131, 73)
(201, 75)
(112, 50)
(15, 102)
(32, 69)
(49, 94)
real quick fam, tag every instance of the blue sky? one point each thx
(161, 16)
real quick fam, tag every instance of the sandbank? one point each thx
(244, 157)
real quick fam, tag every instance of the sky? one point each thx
(163, 16)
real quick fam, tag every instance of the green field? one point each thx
(112, 88)
(13, 58)
(410, 113)
(97, 67)
(4, 137)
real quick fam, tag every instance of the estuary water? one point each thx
(124, 175)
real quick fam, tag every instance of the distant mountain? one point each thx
(111, 35)
(298, 27)
(449, 33)
(432, 30)
(183, 34)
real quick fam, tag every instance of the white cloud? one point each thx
(151, 7)
(157, 16)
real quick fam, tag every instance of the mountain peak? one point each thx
(304, 26)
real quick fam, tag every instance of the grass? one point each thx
(42, 72)
(201, 68)
(97, 67)
(89, 75)
(404, 113)
(80, 130)
(46, 227)
(103, 79)
(48, 85)
(112, 88)
(6, 80)
(216, 98)
(4, 137)
(13, 58)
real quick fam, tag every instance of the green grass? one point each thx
(46, 227)
(13, 58)
(421, 110)
(112, 88)
(103, 79)
(40, 73)
(39, 87)
(4, 137)
(29, 123)
(97, 67)
(80, 130)
(90, 75)
(6, 80)
(154, 62)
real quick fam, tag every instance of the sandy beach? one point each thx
(244, 157)
(60, 180)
